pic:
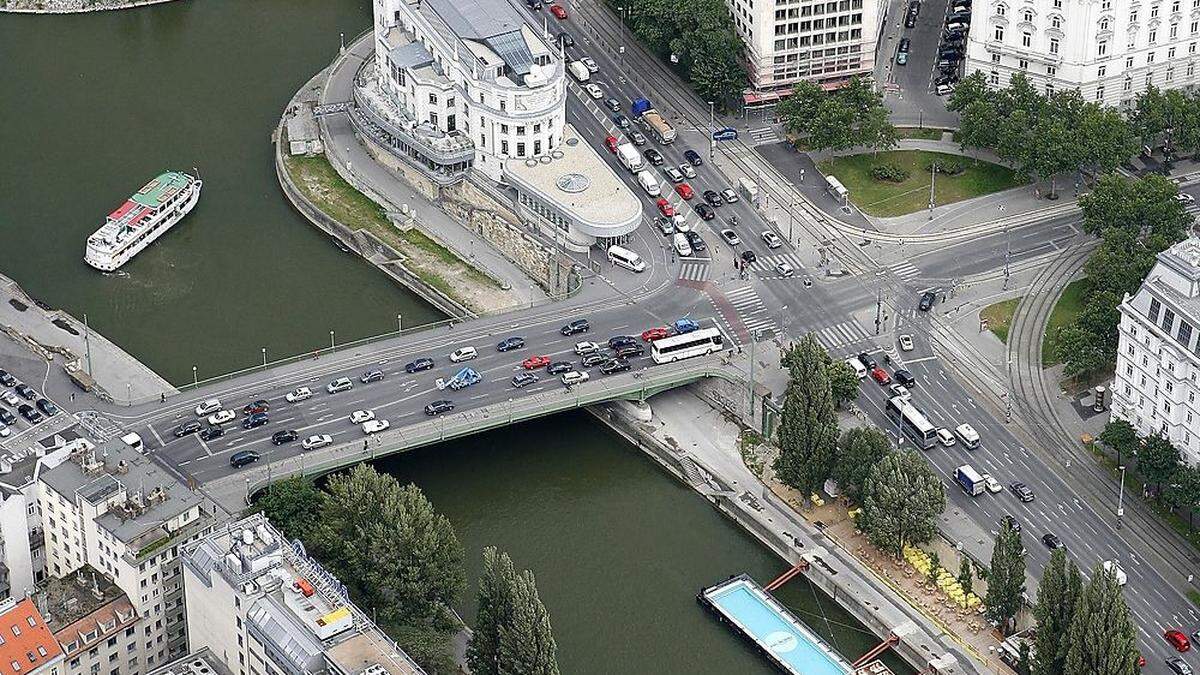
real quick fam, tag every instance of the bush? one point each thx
(947, 167)
(890, 173)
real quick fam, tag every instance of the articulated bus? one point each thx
(695, 343)
(912, 422)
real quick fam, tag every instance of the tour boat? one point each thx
(144, 217)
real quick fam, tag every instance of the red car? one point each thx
(880, 375)
(652, 334)
(665, 208)
(1178, 640)
(685, 190)
(534, 362)
(558, 12)
(611, 143)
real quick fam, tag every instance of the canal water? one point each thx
(95, 105)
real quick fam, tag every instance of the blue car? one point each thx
(508, 344)
(255, 420)
(685, 325)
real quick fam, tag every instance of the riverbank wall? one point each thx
(72, 6)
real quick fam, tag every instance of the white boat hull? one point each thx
(110, 262)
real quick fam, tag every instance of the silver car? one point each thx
(687, 170)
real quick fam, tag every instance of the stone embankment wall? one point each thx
(72, 6)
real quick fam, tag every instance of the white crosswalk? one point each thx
(764, 135)
(750, 309)
(767, 264)
(840, 335)
(905, 270)
(693, 271)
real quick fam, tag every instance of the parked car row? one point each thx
(25, 400)
(952, 46)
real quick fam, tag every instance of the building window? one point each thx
(1153, 36)
(1000, 10)
(999, 34)
(1168, 320)
(1056, 22)
(1102, 48)
(1023, 64)
(1173, 31)
(1106, 5)
(1027, 16)
(1026, 39)
(520, 149)
(1155, 308)
(995, 58)
(1051, 71)
(994, 78)
(1150, 58)
(1100, 72)
(1057, 4)
(1053, 45)
(433, 99)
(1100, 93)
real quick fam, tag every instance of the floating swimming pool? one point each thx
(788, 643)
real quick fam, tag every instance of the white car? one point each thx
(221, 417)
(575, 377)
(4, 432)
(590, 63)
(12, 399)
(945, 437)
(299, 394)
(594, 91)
(374, 426)
(906, 343)
(771, 239)
(687, 170)
(729, 195)
(783, 269)
(1185, 198)
(463, 354)
(681, 223)
(901, 391)
(317, 441)
(730, 237)
(992, 484)
(339, 385)
(673, 174)
(208, 407)
(360, 416)
(585, 348)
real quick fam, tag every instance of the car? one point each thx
(713, 198)
(901, 391)
(771, 239)
(360, 416)
(7, 379)
(590, 63)
(582, 348)
(681, 223)
(618, 341)
(558, 12)
(880, 375)
(1051, 541)
(684, 190)
(685, 325)
(611, 143)
(4, 432)
(731, 237)
(510, 343)
(905, 378)
(339, 385)
(559, 367)
(906, 343)
(285, 436)
(749, 256)
(687, 170)
(945, 437)
(187, 428)
(565, 39)
(637, 137)
(239, 459)
(905, 44)
(575, 377)
(1022, 491)
(463, 354)
(221, 417)
(256, 407)
(729, 195)
(536, 361)
(656, 333)
(316, 441)
(1177, 640)
(208, 407)
(593, 360)
(926, 302)
(375, 426)
(613, 105)
(910, 21)
(212, 433)
(47, 407)
(614, 366)
(1007, 520)
(576, 327)
(254, 421)
(665, 225)
(705, 212)
(439, 407)
(990, 483)
(418, 365)
(664, 207)
(374, 375)
(692, 157)
(696, 241)
(523, 379)
(533, 5)
(783, 269)
(673, 174)
(901, 58)
(7, 417)
(621, 121)
(867, 360)
(654, 157)
(298, 394)
(1179, 666)
(1185, 198)
(11, 399)
(626, 351)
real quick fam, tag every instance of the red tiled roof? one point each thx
(26, 641)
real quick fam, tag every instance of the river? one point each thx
(94, 105)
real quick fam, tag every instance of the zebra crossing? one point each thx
(905, 270)
(840, 335)
(694, 270)
(766, 264)
(750, 309)
(764, 135)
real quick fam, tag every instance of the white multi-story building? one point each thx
(824, 41)
(1111, 50)
(1158, 358)
(96, 625)
(22, 550)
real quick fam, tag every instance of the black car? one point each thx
(533, 4)
(914, 7)
(439, 407)
(371, 376)
(560, 367)
(612, 104)
(905, 378)
(867, 360)
(946, 80)
(950, 53)
(1052, 542)
(654, 157)
(1179, 666)
(713, 197)
(693, 157)
(705, 211)
(954, 33)
(963, 16)
(1022, 491)
(211, 433)
(565, 39)
(626, 351)
(614, 366)
(7, 379)
(576, 327)
(508, 344)
(910, 20)
(617, 341)
(905, 43)
(48, 407)
(239, 459)
(25, 391)
(418, 365)
(926, 302)
(7, 417)
(696, 241)
(286, 436)
(748, 256)
(30, 413)
(254, 421)
(523, 379)
(621, 121)
(1010, 522)
(594, 359)
(187, 428)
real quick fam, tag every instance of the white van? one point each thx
(1114, 568)
(623, 257)
(579, 71)
(967, 434)
(575, 377)
(133, 440)
(859, 369)
(682, 247)
(649, 183)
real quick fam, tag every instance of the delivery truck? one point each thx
(969, 479)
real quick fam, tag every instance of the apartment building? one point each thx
(1111, 50)
(262, 607)
(22, 550)
(26, 645)
(95, 624)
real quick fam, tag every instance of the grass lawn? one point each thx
(886, 199)
(1070, 304)
(999, 317)
(925, 133)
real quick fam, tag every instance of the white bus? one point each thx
(911, 422)
(695, 343)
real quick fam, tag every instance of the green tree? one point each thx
(859, 451)
(965, 577)
(1121, 437)
(972, 89)
(1058, 149)
(843, 382)
(1024, 660)
(294, 506)
(1158, 461)
(902, 500)
(512, 629)
(1101, 639)
(1058, 593)
(808, 426)
(839, 120)
(979, 125)
(1006, 577)
(1107, 139)
(496, 584)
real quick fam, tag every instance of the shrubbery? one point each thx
(890, 173)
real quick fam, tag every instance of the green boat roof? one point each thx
(160, 189)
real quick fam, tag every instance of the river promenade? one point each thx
(73, 6)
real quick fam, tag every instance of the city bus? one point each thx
(911, 422)
(695, 343)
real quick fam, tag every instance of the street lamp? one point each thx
(782, 328)
(399, 324)
(195, 381)
(331, 343)
(712, 127)
(1121, 497)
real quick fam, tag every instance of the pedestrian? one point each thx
(72, 397)
(162, 397)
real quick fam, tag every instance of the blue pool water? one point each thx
(774, 628)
